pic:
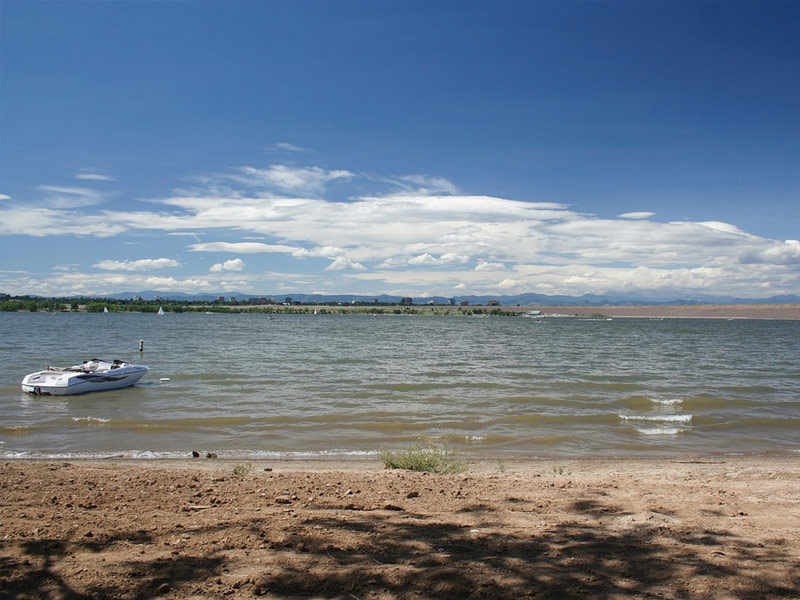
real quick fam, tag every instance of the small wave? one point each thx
(16, 429)
(91, 419)
(181, 455)
(660, 431)
(658, 424)
(641, 403)
(667, 401)
(658, 418)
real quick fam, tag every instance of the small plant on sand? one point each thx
(242, 470)
(559, 470)
(422, 456)
(501, 465)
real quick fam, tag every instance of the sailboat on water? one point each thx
(160, 311)
(105, 309)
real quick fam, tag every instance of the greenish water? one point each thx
(302, 385)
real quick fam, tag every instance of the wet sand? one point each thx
(695, 527)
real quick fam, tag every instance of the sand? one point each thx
(689, 311)
(668, 528)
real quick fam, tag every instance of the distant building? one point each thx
(287, 300)
(451, 302)
(407, 301)
(465, 303)
(494, 303)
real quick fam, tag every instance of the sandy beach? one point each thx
(709, 527)
(681, 311)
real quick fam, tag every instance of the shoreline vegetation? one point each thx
(699, 311)
(688, 527)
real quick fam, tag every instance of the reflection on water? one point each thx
(245, 385)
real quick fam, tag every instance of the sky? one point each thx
(416, 148)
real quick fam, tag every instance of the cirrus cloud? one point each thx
(292, 180)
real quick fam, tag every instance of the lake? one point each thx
(249, 386)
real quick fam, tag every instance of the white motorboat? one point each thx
(92, 376)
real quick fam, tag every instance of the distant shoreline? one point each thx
(774, 311)
(681, 311)
(694, 311)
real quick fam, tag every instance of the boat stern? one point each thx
(46, 382)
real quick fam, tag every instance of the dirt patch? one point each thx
(606, 529)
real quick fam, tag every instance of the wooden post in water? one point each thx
(141, 345)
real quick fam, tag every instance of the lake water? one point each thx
(248, 386)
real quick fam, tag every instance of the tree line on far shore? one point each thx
(95, 305)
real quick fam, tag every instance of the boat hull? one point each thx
(63, 383)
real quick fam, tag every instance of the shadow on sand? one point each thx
(399, 554)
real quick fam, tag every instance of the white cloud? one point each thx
(778, 253)
(509, 284)
(95, 177)
(96, 284)
(423, 259)
(41, 222)
(636, 215)
(5, 197)
(490, 266)
(235, 264)
(425, 241)
(719, 226)
(293, 180)
(424, 185)
(343, 263)
(448, 258)
(242, 247)
(144, 264)
(289, 147)
(70, 197)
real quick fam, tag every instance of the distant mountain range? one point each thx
(613, 299)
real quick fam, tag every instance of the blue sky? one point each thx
(417, 148)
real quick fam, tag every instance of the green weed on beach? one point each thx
(422, 456)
